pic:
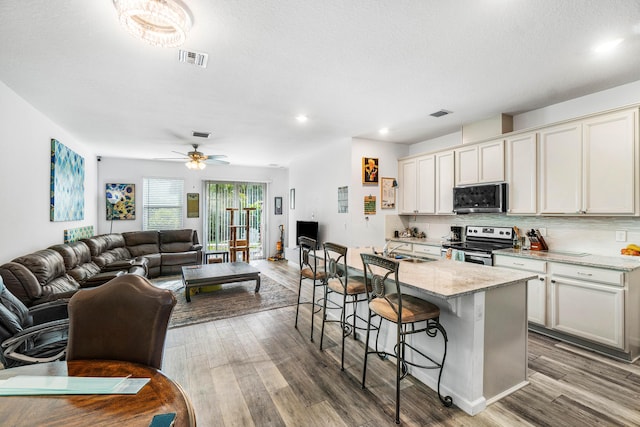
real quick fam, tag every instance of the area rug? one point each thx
(233, 299)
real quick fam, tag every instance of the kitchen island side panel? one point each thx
(505, 341)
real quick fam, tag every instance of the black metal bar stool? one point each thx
(404, 311)
(351, 288)
(309, 271)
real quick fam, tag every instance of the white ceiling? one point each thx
(353, 66)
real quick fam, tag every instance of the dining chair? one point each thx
(404, 311)
(309, 272)
(124, 319)
(350, 289)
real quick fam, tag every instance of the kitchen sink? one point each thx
(415, 260)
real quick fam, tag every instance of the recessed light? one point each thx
(607, 46)
(302, 118)
(383, 131)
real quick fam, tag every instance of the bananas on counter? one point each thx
(631, 249)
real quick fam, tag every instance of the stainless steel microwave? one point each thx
(484, 198)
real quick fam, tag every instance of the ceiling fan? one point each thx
(198, 160)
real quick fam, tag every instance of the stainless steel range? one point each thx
(481, 241)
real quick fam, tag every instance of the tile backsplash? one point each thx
(595, 235)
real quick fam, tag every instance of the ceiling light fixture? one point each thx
(162, 23)
(195, 164)
(607, 46)
(302, 118)
(383, 131)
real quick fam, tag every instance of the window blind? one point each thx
(162, 204)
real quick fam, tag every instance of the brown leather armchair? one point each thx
(124, 319)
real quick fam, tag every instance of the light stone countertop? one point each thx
(623, 263)
(446, 278)
(419, 241)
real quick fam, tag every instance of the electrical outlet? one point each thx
(543, 232)
(621, 236)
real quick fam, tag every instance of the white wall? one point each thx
(116, 170)
(316, 178)
(368, 230)
(25, 165)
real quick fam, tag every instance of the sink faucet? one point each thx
(386, 251)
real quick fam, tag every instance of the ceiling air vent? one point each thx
(201, 134)
(196, 58)
(441, 113)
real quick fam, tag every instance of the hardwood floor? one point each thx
(257, 370)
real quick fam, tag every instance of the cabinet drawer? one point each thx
(426, 250)
(611, 277)
(533, 265)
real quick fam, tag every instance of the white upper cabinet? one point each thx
(417, 185)
(480, 163)
(407, 183)
(426, 194)
(522, 176)
(590, 166)
(561, 169)
(444, 182)
(610, 161)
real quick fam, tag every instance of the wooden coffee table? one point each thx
(217, 274)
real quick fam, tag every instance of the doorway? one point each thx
(220, 195)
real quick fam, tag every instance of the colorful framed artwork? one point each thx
(369, 170)
(121, 201)
(387, 193)
(66, 196)
(193, 205)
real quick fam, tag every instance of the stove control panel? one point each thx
(502, 233)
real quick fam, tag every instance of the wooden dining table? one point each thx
(159, 396)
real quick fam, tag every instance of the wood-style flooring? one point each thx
(257, 370)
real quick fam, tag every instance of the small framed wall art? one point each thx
(277, 203)
(387, 193)
(369, 170)
(193, 205)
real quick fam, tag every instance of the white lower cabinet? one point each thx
(588, 303)
(537, 295)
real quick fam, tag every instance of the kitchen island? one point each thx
(484, 311)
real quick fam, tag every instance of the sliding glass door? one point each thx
(219, 196)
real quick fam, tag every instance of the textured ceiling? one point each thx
(352, 66)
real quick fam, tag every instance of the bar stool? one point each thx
(349, 287)
(404, 311)
(309, 271)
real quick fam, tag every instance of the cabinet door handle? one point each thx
(541, 279)
(518, 263)
(585, 274)
(553, 281)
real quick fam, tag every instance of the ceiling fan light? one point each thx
(162, 23)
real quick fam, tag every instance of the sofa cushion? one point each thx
(77, 260)
(141, 242)
(96, 244)
(172, 241)
(181, 258)
(45, 264)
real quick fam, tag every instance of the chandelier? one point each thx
(162, 23)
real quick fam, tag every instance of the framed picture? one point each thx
(387, 193)
(369, 170)
(369, 205)
(292, 198)
(193, 205)
(120, 201)
(278, 205)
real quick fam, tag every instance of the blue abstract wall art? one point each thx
(67, 184)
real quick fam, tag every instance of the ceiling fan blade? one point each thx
(170, 158)
(182, 154)
(216, 162)
(215, 156)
